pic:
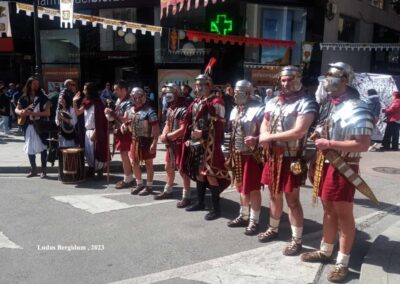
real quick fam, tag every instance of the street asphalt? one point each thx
(92, 233)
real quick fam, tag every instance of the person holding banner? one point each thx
(345, 126)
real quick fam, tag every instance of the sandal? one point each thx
(267, 236)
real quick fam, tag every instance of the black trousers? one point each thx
(391, 136)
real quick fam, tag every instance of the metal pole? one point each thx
(38, 55)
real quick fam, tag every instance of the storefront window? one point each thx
(60, 46)
(174, 46)
(284, 24)
(348, 29)
(119, 40)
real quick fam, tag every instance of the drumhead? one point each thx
(72, 150)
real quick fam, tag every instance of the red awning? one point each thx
(233, 39)
(6, 44)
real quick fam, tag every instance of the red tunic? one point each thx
(213, 158)
(334, 186)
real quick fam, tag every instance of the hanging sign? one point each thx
(67, 13)
(221, 25)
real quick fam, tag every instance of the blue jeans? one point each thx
(4, 120)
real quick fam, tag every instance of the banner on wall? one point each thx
(384, 85)
(265, 76)
(5, 19)
(54, 77)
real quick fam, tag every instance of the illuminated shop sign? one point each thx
(221, 25)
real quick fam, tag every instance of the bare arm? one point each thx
(177, 133)
(359, 144)
(303, 123)
(80, 110)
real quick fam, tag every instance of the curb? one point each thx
(115, 167)
(362, 223)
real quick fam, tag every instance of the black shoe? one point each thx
(195, 207)
(90, 172)
(212, 215)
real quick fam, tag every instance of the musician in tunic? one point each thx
(144, 128)
(286, 123)
(33, 106)
(345, 125)
(96, 136)
(245, 156)
(66, 118)
(123, 141)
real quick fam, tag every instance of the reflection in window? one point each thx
(60, 46)
(377, 3)
(284, 24)
(118, 40)
(348, 28)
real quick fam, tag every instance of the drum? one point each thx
(71, 165)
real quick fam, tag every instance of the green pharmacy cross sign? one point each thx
(221, 25)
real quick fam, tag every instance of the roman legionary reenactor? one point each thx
(286, 123)
(245, 156)
(202, 157)
(344, 129)
(143, 125)
(172, 136)
(118, 116)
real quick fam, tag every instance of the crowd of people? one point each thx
(267, 145)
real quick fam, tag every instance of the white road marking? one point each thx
(261, 265)
(6, 243)
(100, 203)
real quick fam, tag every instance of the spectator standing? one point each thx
(4, 109)
(269, 94)
(107, 93)
(10, 93)
(393, 124)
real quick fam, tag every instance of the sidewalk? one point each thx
(13, 159)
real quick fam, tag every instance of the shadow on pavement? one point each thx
(382, 205)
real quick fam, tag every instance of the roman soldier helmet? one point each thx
(243, 92)
(295, 72)
(341, 69)
(204, 78)
(139, 91)
(172, 92)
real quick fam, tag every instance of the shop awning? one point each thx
(232, 39)
(84, 19)
(359, 46)
(166, 5)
